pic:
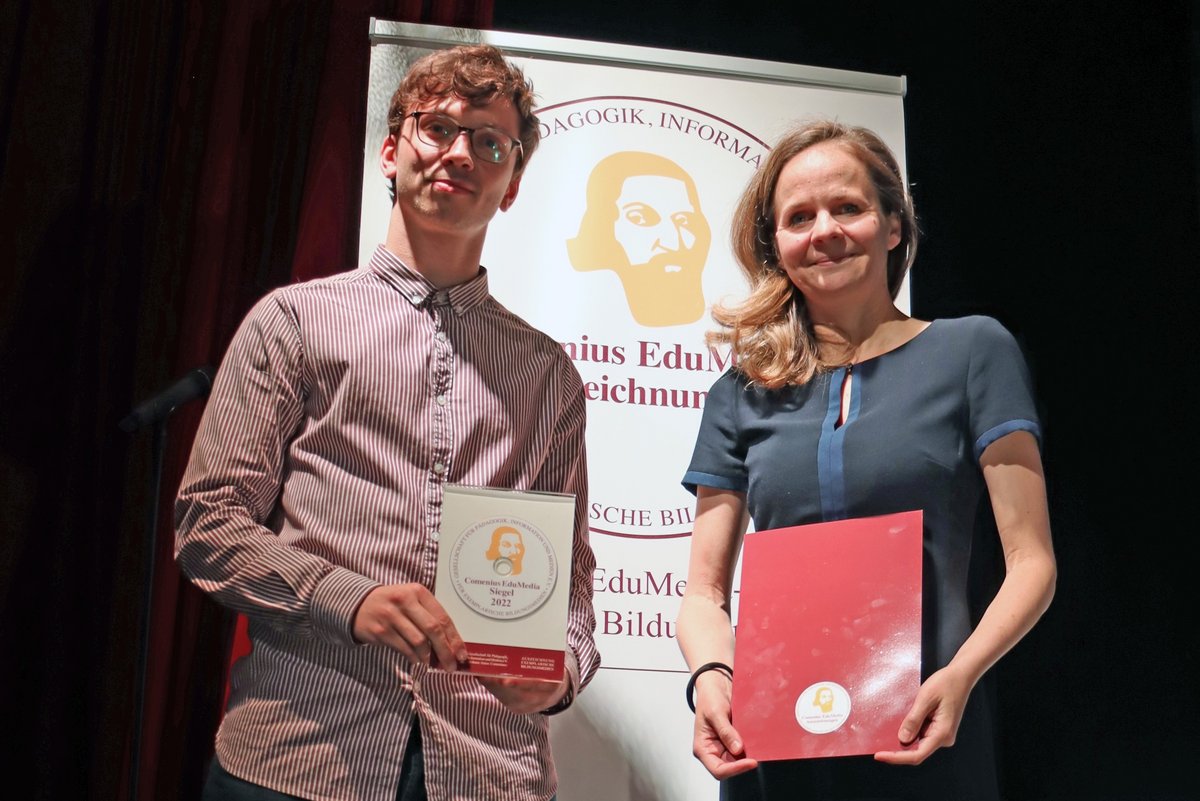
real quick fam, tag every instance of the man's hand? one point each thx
(526, 696)
(407, 618)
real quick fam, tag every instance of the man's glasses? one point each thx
(490, 144)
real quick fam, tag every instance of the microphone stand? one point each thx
(159, 441)
(161, 408)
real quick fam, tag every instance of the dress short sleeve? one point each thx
(999, 387)
(719, 458)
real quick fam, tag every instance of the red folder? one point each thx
(827, 660)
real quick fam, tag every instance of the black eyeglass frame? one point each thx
(458, 128)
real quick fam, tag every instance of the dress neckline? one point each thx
(858, 363)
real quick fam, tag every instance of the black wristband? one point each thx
(707, 666)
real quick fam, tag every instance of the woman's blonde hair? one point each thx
(770, 332)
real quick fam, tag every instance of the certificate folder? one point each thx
(827, 660)
(504, 577)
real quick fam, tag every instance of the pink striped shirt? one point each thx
(342, 408)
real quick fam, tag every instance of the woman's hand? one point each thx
(715, 742)
(933, 720)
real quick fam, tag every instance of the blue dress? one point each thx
(919, 418)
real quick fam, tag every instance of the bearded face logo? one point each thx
(506, 550)
(643, 221)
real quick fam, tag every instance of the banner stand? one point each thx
(617, 247)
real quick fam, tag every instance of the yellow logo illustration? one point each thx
(823, 707)
(506, 550)
(643, 221)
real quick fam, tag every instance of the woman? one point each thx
(843, 406)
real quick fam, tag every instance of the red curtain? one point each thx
(279, 201)
(162, 165)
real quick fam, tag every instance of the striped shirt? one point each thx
(342, 408)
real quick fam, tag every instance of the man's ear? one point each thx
(510, 194)
(387, 157)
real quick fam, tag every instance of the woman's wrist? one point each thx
(707, 667)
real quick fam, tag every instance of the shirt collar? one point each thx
(417, 289)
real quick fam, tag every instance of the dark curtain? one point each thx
(162, 165)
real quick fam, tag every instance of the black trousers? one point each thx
(224, 786)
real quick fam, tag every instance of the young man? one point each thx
(313, 497)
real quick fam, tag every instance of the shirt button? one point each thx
(440, 336)
(441, 400)
(417, 299)
(439, 468)
(433, 535)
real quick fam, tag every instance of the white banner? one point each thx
(618, 246)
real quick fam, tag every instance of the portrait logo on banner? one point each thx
(643, 221)
(623, 217)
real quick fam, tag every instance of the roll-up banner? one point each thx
(618, 247)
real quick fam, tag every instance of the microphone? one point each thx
(195, 384)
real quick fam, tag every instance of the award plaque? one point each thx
(504, 575)
(827, 658)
